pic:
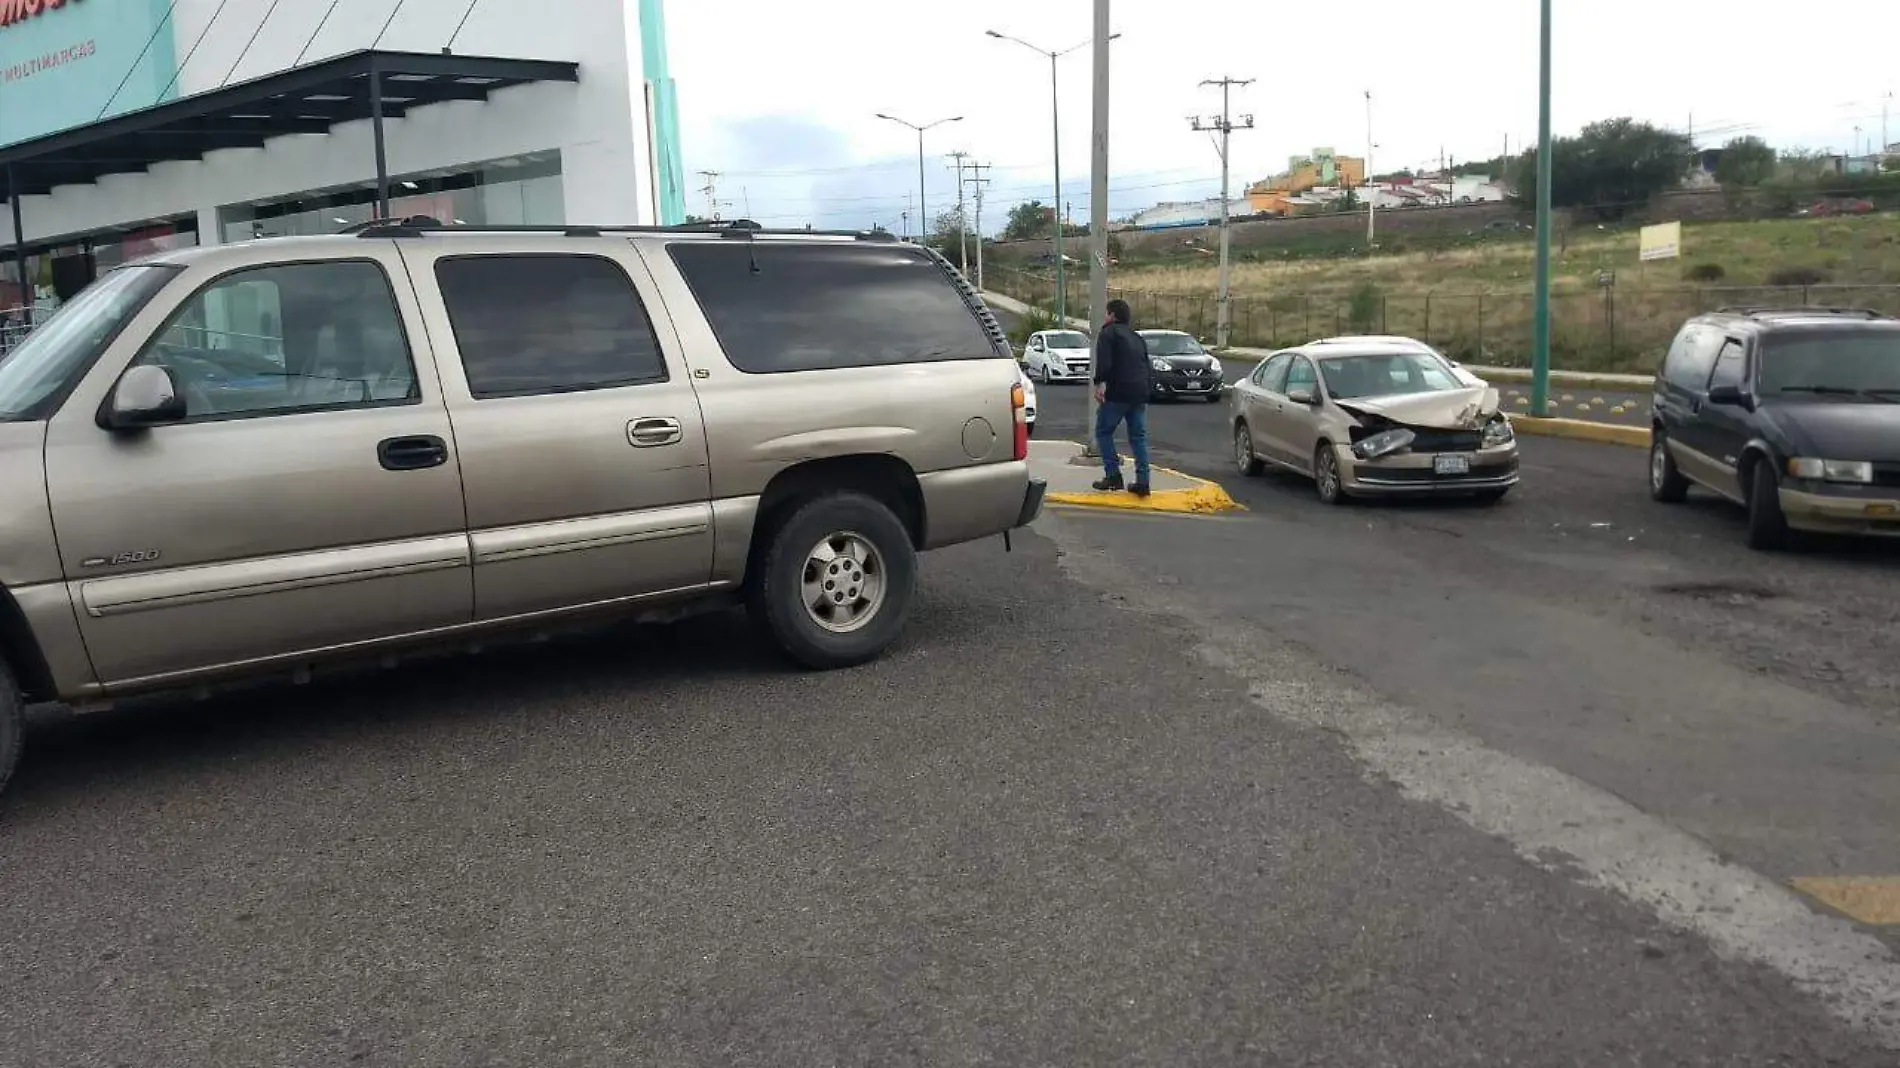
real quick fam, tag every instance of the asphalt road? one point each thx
(1752, 700)
(1043, 831)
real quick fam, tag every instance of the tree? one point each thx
(1612, 168)
(1030, 219)
(946, 236)
(1745, 162)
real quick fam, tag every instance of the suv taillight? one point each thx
(1019, 406)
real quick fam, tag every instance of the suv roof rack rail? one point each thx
(1800, 309)
(739, 229)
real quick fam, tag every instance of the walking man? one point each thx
(1121, 391)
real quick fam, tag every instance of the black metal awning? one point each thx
(304, 100)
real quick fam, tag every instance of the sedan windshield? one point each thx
(1387, 374)
(64, 346)
(1846, 363)
(1067, 339)
(1172, 345)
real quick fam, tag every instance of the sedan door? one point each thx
(1262, 402)
(1293, 429)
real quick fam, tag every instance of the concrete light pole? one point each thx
(923, 216)
(1540, 325)
(1098, 195)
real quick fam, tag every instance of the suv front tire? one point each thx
(1767, 526)
(1667, 483)
(836, 581)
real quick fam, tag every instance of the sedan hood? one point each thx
(1839, 430)
(1190, 363)
(1451, 409)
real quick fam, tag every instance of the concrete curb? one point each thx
(1636, 437)
(1609, 383)
(1205, 499)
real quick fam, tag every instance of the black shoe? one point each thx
(1139, 489)
(1108, 483)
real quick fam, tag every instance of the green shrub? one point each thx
(1705, 272)
(1796, 276)
(1363, 307)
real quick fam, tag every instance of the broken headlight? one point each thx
(1384, 443)
(1498, 432)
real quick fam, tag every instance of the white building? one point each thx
(1188, 213)
(132, 125)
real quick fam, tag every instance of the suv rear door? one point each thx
(583, 452)
(1719, 431)
(1681, 389)
(311, 497)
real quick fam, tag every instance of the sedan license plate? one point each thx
(1451, 465)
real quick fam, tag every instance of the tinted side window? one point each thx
(1272, 375)
(1692, 357)
(1731, 365)
(779, 307)
(277, 340)
(530, 325)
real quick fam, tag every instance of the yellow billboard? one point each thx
(1661, 242)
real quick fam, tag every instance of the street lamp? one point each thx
(1055, 123)
(921, 214)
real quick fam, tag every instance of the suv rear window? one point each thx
(779, 307)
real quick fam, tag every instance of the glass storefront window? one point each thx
(519, 191)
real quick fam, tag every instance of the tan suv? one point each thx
(251, 458)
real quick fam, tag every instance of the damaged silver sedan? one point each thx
(1373, 418)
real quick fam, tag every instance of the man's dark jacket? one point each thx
(1121, 363)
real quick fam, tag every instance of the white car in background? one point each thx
(1057, 356)
(1029, 399)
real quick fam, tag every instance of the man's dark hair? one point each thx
(1119, 311)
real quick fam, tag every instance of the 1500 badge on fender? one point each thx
(140, 556)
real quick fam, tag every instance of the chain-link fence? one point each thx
(1606, 329)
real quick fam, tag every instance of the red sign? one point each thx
(12, 11)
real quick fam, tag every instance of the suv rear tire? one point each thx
(835, 583)
(1767, 527)
(1666, 482)
(12, 723)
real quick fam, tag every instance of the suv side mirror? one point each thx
(1302, 396)
(145, 396)
(1728, 395)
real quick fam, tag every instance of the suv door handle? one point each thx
(653, 431)
(412, 453)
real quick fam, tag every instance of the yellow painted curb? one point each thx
(1870, 899)
(1567, 379)
(1636, 437)
(1205, 499)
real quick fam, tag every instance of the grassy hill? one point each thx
(1475, 302)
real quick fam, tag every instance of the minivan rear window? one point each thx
(784, 306)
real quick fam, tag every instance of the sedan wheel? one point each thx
(1326, 475)
(1244, 459)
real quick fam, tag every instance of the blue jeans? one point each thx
(1110, 415)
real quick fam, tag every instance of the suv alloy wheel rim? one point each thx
(843, 583)
(1658, 464)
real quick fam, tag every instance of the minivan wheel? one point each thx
(12, 724)
(835, 584)
(1767, 527)
(1666, 483)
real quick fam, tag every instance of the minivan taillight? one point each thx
(1019, 411)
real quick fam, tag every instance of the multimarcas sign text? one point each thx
(12, 11)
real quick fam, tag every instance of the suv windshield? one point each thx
(1386, 374)
(1067, 339)
(1835, 361)
(61, 348)
(1172, 345)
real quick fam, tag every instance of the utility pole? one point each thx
(711, 191)
(963, 226)
(1885, 103)
(1225, 126)
(977, 182)
(1098, 195)
(1540, 323)
(1372, 199)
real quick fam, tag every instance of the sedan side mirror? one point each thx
(1302, 396)
(145, 396)
(1728, 395)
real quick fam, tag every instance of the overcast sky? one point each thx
(781, 97)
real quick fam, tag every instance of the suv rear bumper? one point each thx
(1032, 502)
(1827, 514)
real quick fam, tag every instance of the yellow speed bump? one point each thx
(1206, 498)
(1871, 899)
